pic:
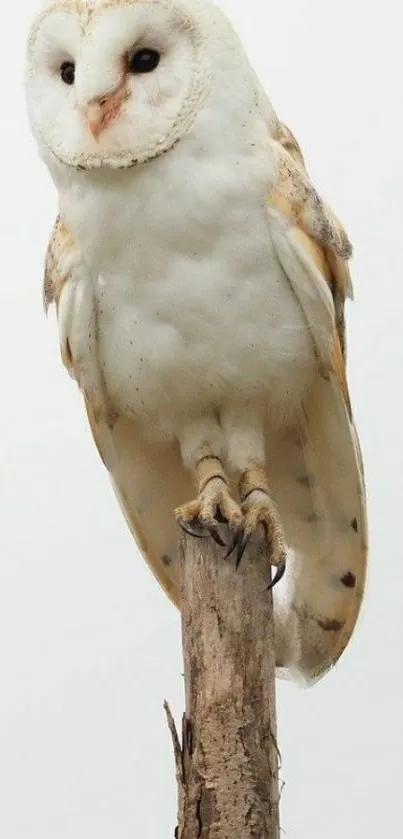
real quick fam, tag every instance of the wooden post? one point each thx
(227, 763)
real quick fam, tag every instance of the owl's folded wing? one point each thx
(331, 546)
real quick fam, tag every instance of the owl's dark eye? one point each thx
(68, 72)
(144, 61)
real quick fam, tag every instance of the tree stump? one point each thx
(227, 763)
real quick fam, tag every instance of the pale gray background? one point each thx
(89, 646)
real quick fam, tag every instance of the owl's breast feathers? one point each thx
(293, 196)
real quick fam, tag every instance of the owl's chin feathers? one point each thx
(92, 161)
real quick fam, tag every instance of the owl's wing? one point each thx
(324, 510)
(137, 470)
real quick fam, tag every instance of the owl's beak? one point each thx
(104, 110)
(95, 118)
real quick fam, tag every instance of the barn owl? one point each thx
(200, 282)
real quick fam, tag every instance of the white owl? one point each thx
(200, 283)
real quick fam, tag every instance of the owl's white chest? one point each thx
(192, 304)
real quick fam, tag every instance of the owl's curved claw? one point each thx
(261, 512)
(213, 507)
(239, 543)
(280, 571)
(235, 540)
(187, 528)
(213, 531)
(242, 545)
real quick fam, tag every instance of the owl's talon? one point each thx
(213, 507)
(280, 571)
(259, 509)
(187, 528)
(212, 529)
(233, 544)
(242, 545)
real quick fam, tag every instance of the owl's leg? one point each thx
(202, 447)
(246, 454)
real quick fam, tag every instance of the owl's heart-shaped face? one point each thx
(114, 83)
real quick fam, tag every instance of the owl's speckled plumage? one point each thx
(200, 283)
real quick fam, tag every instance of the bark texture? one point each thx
(227, 763)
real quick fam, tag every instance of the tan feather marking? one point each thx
(60, 247)
(308, 209)
(320, 232)
(283, 134)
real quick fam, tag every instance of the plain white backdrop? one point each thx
(89, 645)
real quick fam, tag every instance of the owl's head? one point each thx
(115, 82)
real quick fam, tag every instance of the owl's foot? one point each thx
(259, 509)
(213, 506)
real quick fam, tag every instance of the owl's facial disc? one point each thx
(117, 85)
